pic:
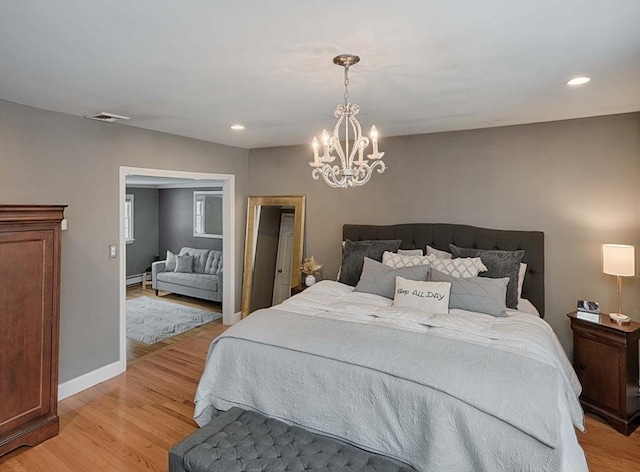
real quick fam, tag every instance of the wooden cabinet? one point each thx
(605, 357)
(298, 289)
(29, 323)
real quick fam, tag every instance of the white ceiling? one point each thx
(193, 68)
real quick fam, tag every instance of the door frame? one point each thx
(228, 242)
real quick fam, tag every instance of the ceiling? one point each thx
(193, 68)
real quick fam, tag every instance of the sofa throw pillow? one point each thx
(499, 264)
(184, 263)
(481, 295)
(428, 297)
(170, 264)
(380, 279)
(354, 253)
(461, 267)
(431, 251)
(394, 260)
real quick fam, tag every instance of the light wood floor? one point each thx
(128, 423)
(137, 350)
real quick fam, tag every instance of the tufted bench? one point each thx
(244, 441)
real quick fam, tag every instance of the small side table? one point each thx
(297, 289)
(146, 280)
(605, 357)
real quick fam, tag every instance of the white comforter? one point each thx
(240, 375)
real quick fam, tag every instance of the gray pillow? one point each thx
(481, 295)
(170, 264)
(499, 264)
(380, 279)
(184, 264)
(354, 253)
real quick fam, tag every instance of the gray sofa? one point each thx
(205, 280)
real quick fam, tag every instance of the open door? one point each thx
(282, 279)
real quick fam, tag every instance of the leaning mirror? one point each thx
(273, 251)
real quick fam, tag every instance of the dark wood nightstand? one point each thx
(297, 289)
(605, 357)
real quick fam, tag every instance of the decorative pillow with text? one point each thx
(428, 297)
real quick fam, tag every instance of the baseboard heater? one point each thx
(134, 279)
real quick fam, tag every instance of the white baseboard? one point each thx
(237, 316)
(73, 386)
(134, 279)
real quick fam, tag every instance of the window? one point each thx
(128, 218)
(207, 214)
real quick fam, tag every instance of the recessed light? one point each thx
(578, 81)
(237, 127)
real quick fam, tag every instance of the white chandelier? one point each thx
(351, 172)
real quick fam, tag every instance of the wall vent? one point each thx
(106, 117)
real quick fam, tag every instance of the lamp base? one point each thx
(619, 318)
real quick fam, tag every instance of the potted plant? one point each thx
(310, 267)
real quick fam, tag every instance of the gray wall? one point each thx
(49, 157)
(576, 180)
(176, 222)
(141, 252)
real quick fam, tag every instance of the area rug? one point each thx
(150, 320)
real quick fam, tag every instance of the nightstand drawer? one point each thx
(596, 364)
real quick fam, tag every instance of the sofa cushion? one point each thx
(214, 262)
(201, 281)
(199, 258)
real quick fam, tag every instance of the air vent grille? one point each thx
(106, 117)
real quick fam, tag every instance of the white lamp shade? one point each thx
(619, 259)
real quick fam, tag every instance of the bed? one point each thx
(461, 391)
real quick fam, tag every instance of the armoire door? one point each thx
(26, 330)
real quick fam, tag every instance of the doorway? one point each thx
(188, 179)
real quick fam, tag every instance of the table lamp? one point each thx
(619, 260)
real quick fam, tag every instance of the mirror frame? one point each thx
(298, 203)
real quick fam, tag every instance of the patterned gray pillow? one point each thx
(499, 264)
(481, 295)
(380, 279)
(354, 253)
(184, 263)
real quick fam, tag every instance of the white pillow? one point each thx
(461, 267)
(431, 251)
(171, 261)
(410, 252)
(428, 297)
(521, 274)
(397, 261)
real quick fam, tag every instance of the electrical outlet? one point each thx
(113, 251)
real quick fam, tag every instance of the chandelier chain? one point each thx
(346, 85)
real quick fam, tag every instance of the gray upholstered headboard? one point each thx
(440, 235)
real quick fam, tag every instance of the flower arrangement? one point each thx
(310, 266)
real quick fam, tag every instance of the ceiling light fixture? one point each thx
(237, 127)
(351, 172)
(578, 81)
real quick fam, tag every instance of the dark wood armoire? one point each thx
(29, 323)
